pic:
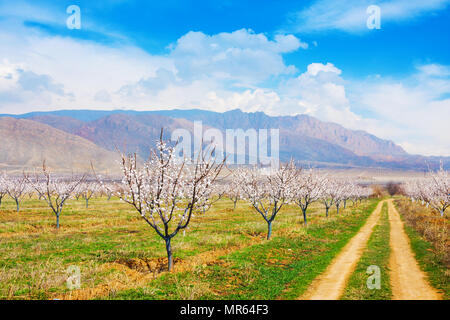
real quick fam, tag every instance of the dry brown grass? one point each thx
(430, 225)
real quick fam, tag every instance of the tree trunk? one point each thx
(87, 203)
(17, 205)
(269, 231)
(337, 209)
(235, 201)
(442, 212)
(304, 216)
(169, 254)
(57, 221)
(345, 204)
(326, 211)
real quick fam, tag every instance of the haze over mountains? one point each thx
(76, 137)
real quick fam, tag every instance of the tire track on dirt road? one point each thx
(408, 281)
(330, 285)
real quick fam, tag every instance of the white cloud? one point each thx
(351, 15)
(413, 111)
(18, 85)
(315, 68)
(435, 70)
(83, 68)
(418, 107)
(102, 96)
(264, 100)
(242, 56)
(216, 71)
(319, 92)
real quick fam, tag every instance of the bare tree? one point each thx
(234, 191)
(342, 187)
(3, 187)
(347, 193)
(87, 190)
(331, 193)
(440, 194)
(16, 189)
(214, 194)
(348, 190)
(267, 193)
(359, 193)
(308, 189)
(55, 191)
(107, 187)
(167, 192)
(433, 191)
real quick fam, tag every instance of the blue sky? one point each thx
(282, 57)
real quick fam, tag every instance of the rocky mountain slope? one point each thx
(26, 143)
(302, 137)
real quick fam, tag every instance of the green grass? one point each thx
(281, 268)
(34, 256)
(377, 254)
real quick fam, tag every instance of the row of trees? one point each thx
(168, 193)
(432, 191)
(268, 193)
(21, 187)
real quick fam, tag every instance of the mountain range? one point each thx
(70, 139)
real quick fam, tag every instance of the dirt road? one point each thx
(330, 285)
(408, 282)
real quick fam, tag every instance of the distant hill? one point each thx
(359, 142)
(302, 137)
(25, 144)
(128, 133)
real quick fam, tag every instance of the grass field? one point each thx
(223, 255)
